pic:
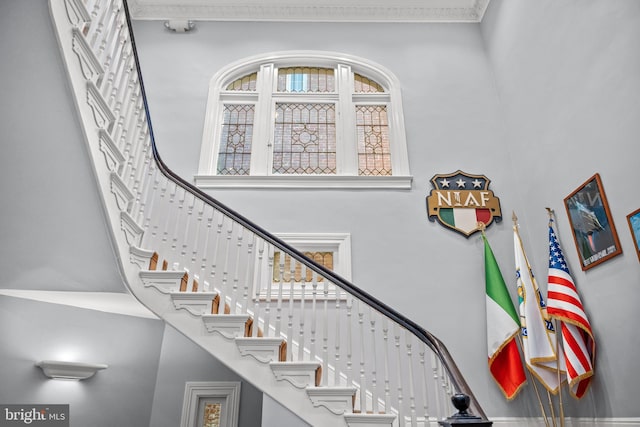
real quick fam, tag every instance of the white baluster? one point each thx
(279, 301)
(149, 189)
(434, 367)
(188, 223)
(269, 282)
(303, 286)
(336, 371)
(325, 333)
(97, 24)
(363, 378)
(216, 248)
(374, 353)
(179, 212)
(349, 343)
(412, 396)
(398, 355)
(170, 210)
(226, 252)
(387, 387)
(248, 276)
(198, 233)
(292, 281)
(425, 389)
(161, 202)
(236, 274)
(257, 283)
(314, 316)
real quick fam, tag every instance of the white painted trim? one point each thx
(196, 391)
(108, 302)
(305, 181)
(452, 11)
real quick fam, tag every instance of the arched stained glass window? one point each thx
(304, 120)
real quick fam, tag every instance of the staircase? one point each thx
(226, 283)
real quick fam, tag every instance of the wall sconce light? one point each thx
(69, 370)
(179, 25)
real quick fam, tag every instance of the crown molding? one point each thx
(311, 11)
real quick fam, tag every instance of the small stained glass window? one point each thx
(234, 156)
(212, 412)
(325, 259)
(374, 153)
(306, 79)
(365, 85)
(305, 139)
(246, 83)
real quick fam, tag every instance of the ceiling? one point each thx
(311, 10)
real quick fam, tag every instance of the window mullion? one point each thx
(262, 137)
(347, 153)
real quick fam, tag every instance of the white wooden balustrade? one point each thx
(212, 275)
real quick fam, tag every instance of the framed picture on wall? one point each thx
(591, 224)
(634, 225)
(211, 404)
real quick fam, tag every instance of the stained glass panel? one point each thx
(306, 79)
(234, 157)
(246, 83)
(304, 139)
(374, 153)
(365, 85)
(325, 259)
(212, 412)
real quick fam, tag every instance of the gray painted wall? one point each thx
(538, 98)
(53, 232)
(568, 76)
(121, 395)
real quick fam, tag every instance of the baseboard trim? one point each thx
(569, 422)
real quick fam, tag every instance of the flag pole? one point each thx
(560, 400)
(514, 218)
(559, 379)
(535, 387)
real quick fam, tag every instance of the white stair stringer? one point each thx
(230, 326)
(338, 400)
(299, 374)
(369, 420)
(228, 353)
(140, 257)
(196, 303)
(164, 281)
(264, 350)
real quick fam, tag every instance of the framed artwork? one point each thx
(634, 225)
(211, 404)
(591, 224)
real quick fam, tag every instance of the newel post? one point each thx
(461, 402)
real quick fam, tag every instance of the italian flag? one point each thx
(465, 219)
(505, 363)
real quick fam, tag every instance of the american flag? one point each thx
(563, 303)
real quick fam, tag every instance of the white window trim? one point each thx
(338, 243)
(228, 391)
(260, 176)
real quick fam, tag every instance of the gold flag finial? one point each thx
(514, 218)
(481, 226)
(550, 213)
